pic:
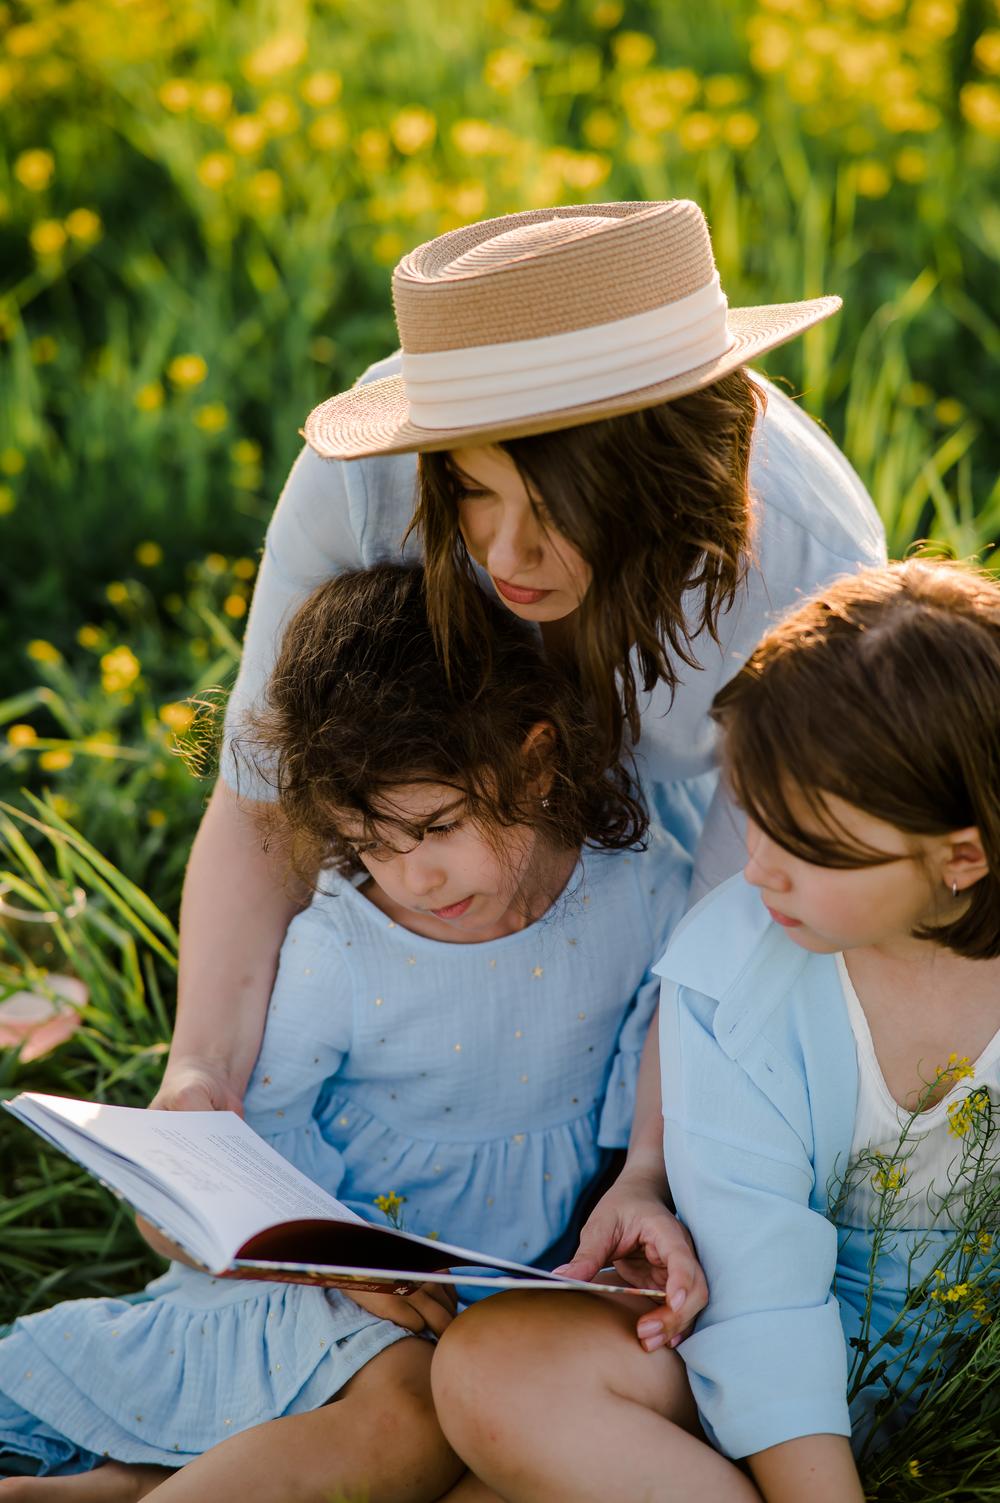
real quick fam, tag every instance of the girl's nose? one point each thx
(516, 541)
(420, 876)
(764, 867)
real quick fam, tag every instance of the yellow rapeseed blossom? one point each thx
(321, 89)
(911, 165)
(633, 49)
(246, 451)
(740, 130)
(83, 225)
(889, 1177)
(245, 568)
(987, 52)
(186, 371)
(176, 95)
(323, 349)
(149, 554)
(372, 149)
(387, 247)
(103, 745)
(957, 1068)
(27, 40)
(89, 636)
(43, 652)
(899, 115)
(682, 85)
(212, 417)
(913, 1468)
(938, 18)
(962, 1114)
(8, 500)
(771, 45)
(391, 1206)
(21, 736)
(277, 55)
(698, 130)
(468, 200)
(149, 397)
(12, 461)
(235, 606)
(723, 90)
(64, 807)
(119, 669)
(504, 69)
(56, 759)
(44, 349)
(216, 563)
(872, 178)
(413, 130)
(474, 138)
(328, 132)
(607, 13)
(266, 189)
(117, 592)
(601, 128)
(177, 716)
(35, 169)
(916, 394)
(48, 238)
(247, 134)
(981, 107)
(213, 102)
(216, 169)
(280, 114)
(156, 819)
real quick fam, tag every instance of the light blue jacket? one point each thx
(760, 1085)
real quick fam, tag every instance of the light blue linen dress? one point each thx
(481, 1081)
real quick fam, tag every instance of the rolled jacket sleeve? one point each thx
(767, 1361)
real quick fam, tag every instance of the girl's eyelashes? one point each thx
(443, 829)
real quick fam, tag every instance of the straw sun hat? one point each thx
(550, 319)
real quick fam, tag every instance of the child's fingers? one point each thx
(437, 1314)
(598, 1241)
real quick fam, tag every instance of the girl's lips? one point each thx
(454, 910)
(783, 919)
(517, 593)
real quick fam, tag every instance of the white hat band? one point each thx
(496, 382)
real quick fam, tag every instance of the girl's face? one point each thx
(828, 909)
(536, 572)
(453, 884)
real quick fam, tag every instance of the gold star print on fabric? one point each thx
(537, 972)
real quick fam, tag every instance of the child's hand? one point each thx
(431, 1308)
(632, 1229)
(161, 1244)
(196, 1086)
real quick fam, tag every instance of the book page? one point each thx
(210, 1163)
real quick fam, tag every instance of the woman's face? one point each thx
(536, 572)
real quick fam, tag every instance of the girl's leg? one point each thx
(377, 1442)
(551, 1396)
(111, 1483)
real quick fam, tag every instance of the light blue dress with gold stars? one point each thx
(480, 1081)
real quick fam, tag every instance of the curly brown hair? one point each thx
(657, 504)
(358, 703)
(884, 691)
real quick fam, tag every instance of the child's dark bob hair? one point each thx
(883, 690)
(358, 703)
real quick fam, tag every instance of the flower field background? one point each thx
(200, 207)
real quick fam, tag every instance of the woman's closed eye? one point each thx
(443, 829)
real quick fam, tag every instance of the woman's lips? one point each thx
(454, 910)
(517, 594)
(783, 919)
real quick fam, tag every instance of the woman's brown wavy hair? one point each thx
(884, 691)
(656, 502)
(358, 703)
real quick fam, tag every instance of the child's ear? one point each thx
(963, 859)
(538, 750)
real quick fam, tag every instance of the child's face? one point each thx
(455, 882)
(827, 909)
(536, 572)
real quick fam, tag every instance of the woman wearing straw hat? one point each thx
(571, 424)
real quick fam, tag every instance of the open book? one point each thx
(241, 1211)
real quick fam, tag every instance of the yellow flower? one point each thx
(212, 417)
(63, 806)
(323, 349)
(981, 107)
(607, 13)
(21, 736)
(913, 1468)
(47, 238)
(949, 411)
(156, 819)
(84, 225)
(148, 398)
(962, 1114)
(280, 114)
(177, 716)
(601, 129)
(504, 69)
(149, 554)
(247, 134)
(213, 102)
(413, 130)
(216, 169)
(956, 1068)
(35, 169)
(741, 130)
(215, 563)
(11, 461)
(57, 759)
(722, 90)
(388, 247)
(27, 40)
(889, 1177)
(984, 1242)
(681, 85)
(235, 606)
(89, 636)
(321, 89)
(43, 652)
(176, 95)
(266, 189)
(101, 746)
(987, 52)
(872, 178)
(391, 1206)
(468, 200)
(910, 115)
(277, 55)
(372, 149)
(117, 592)
(44, 349)
(8, 500)
(119, 670)
(938, 18)
(911, 165)
(246, 451)
(633, 49)
(186, 371)
(245, 568)
(697, 131)
(327, 132)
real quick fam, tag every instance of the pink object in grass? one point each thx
(38, 1024)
